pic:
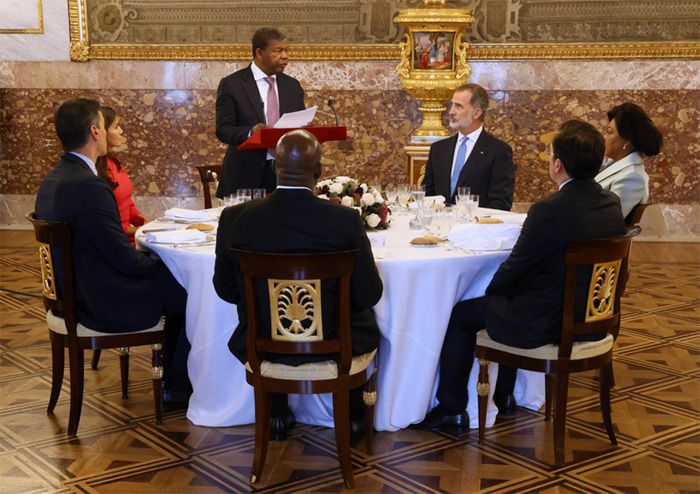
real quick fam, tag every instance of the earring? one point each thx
(624, 146)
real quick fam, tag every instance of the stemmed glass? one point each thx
(392, 195)
(403, 195)
(418, 194)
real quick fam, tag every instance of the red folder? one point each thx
(267, 138)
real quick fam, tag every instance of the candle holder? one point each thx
(433, 61)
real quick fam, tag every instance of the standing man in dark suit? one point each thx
(524, 300)
(472, 157)
(248, 100)
(119, 289)
(289, 220)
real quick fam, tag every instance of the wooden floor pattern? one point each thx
(120, 449)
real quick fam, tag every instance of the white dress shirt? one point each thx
(263, 87)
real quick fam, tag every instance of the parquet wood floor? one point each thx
(656, 410)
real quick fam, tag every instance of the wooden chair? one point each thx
(635, 217)
(208, 175)
(65, 331)
(607, 256)
(294, 285)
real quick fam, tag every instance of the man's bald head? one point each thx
(298, 159)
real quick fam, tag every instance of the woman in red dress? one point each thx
(112, 170)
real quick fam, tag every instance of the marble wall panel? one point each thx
(171, 131)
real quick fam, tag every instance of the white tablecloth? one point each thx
(421, 285)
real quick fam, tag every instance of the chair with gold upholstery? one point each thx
(65, 330)
(608, 260)
(208, 175)
(295, 308)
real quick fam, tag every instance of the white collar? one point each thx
(634, 158)
(473, 136)
(87, 160)
(565, 182)
(259, 74)
(293, 187)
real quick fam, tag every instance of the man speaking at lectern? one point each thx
(248, 100)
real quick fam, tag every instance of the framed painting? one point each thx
(363, 29)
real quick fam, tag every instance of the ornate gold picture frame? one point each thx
(39, 29)
(83, 49)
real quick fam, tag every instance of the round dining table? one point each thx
(421, 286)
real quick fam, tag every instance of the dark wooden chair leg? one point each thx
(482, 389)
(604, 392)
(548, 380)
(124, 367)
(95, 358)
(341, 418)
(157, 363)
(76, 359)
(369, 397)
(57, 366)
(562, 389)
(262, 431)
(612, 376)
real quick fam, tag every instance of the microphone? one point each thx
(330, 105)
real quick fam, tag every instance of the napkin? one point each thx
(188, 214)
(176, 236)
(485, 237)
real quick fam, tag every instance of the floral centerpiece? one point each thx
(367, 201)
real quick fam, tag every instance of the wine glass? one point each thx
(403, 195)
(392, 195)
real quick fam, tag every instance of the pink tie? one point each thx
(273, 106)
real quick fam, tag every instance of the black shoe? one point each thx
(437, 420)
(280, 426)
(175, 400)
(358, 431)
(505, 403)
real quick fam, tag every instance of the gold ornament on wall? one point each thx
(433, 60)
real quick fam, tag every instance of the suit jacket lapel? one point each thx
(250, 88)
(283, 91)
(475, 157)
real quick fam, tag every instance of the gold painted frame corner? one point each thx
(81, 50)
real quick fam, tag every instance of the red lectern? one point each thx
(268, 137)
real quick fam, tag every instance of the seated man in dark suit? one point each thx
(289, 220)
(472, 157)
(119, 289)
(524, 300)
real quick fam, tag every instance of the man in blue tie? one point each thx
(472, 157)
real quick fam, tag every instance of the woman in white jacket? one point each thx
(630, 137)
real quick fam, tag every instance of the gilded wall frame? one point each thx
(37, 30)
(81, 49)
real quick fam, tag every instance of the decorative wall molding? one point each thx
(27, 6)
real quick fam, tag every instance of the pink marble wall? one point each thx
(170, 132)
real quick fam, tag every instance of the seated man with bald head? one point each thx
(293, 220)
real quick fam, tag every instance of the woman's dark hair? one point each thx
(634, 125)
(110, 116)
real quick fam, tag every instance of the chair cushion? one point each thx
(579, 350)
(58, 325)
(313, 371)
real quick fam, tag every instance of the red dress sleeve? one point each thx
(127, 209)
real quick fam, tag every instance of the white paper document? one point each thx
(296, 119)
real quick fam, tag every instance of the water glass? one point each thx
(472, 205)
(425, 217)
(463, 191)
(229, 200)
(243, 195)
(259, 193)
(418, 194)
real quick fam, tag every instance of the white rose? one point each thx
(373, 220)
(323, 183)
(342, 180)
(347, 201)
(336, 188)
(358, 209)
(367, 199)
(323, 196)
(364, 187)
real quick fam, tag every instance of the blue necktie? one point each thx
(459, 164)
